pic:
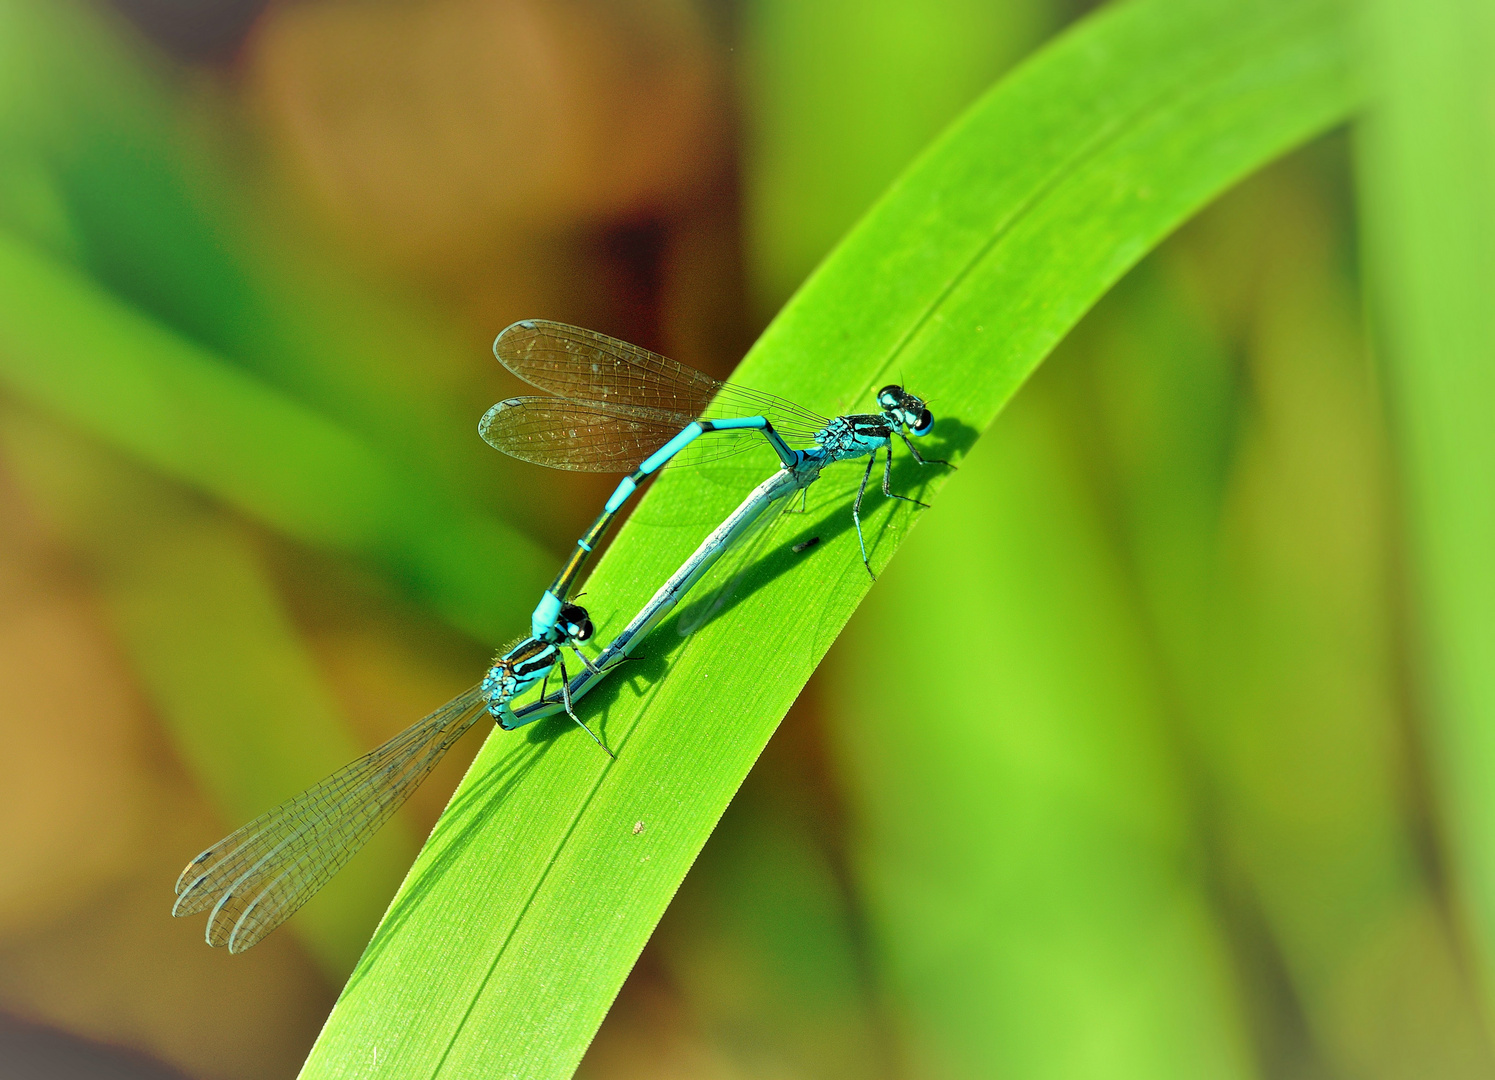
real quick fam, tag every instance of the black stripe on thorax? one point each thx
(869, 424)
(540, 662)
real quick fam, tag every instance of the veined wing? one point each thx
(578, 435)
(257, 877)
(583, 436)
(587, 366)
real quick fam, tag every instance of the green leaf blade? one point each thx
(524, 914)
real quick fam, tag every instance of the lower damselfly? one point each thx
(782, 485)
(255, 878)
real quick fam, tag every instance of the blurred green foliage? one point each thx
(149, 301)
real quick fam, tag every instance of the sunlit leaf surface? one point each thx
(551, 867)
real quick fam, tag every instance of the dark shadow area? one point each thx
(649, 667)
(34, 1052)
(951, 439)
(637, 671)
(195, 30)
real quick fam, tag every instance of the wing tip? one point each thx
(514, 329)
(187, 900)
(182, 885)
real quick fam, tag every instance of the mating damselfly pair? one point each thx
(614, 408)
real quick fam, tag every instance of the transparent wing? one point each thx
(583, 364)
(255, 878)
(582, 436)
(793, 421)
(588, 366)
(577, 435)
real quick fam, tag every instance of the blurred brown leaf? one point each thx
(436, 130)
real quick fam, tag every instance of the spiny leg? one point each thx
(887, 480)
(921, 460)
(856, 513)
(591, 667)
(566, 701)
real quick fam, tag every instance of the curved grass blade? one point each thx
(961, 280)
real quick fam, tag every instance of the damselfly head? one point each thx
(903, 408)
(575, 622)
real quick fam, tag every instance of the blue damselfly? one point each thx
(258, 876)
(620, 407)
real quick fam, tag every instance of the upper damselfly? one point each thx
(620, 407)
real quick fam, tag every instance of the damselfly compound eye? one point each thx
(924, 422)
(577, 621)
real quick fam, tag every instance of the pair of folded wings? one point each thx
(615, 403)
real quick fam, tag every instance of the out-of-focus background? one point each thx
(1173, 814)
